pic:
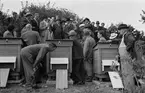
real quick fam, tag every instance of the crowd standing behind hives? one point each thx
(85, 34)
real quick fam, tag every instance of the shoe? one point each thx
(35, 86)
(81, 83)
(75, 82)
(89, 79)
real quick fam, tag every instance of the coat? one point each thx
(57, 31)
(89, 43)
(31, 37)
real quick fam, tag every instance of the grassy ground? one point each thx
(49, 87)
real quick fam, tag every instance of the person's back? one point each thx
(7, 34)
(57, 31)
(88, 46)
(33, 49)
(31, 37)
(77, 50)
(89, 43)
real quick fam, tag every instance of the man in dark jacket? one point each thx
(57, 30)
(78, 72)
(35, 23)
(129, 39)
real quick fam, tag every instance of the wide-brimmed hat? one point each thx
(82, 25)
(72, 33)
(28, 14)
(113, 35)
(122, 26)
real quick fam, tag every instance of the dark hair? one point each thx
(97, 22)
(102, 32)
(11, 27)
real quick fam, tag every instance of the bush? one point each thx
(46, 11)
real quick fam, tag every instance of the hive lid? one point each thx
(7, 59)
(59, 61)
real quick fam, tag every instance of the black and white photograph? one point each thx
(72, 46)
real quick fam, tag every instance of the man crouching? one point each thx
(32, 56)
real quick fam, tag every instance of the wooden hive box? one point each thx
(61, 61)
(64, 50)
(103, 51)
(11, 47)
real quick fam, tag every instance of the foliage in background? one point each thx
(45, 11)
(48, 10)
(142, 17)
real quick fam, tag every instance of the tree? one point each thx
(46, 10)
(142, 17)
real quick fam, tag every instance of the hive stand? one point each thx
(6, 63)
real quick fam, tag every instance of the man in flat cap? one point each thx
(126, 52)
(78, 72)
(89, 43)
(26, 20)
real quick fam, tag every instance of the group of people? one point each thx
(85, 36)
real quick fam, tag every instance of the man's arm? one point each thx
(40, 56)
(38, 38)
(86, 48)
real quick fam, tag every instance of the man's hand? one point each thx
(34, 69)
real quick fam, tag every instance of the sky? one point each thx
(107, 11)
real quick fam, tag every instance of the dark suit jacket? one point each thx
(35, 25)
(129, 41)
(57, 31)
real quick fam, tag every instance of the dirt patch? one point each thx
(49, 87)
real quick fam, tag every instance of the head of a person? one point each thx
(11, 28)
(36, 15)
(86, 33)
(48, 19)
(122, 28)
(137, 35)
(57, 17)
(72, 35)
(52, 47)
(43, 24)
(28, 16)
(28, 27)
(81, 27)
(58, 21)
(93, 23)
(97, 23)
(102, 24)
(86, 21)
(101, 34)
(14, 14)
